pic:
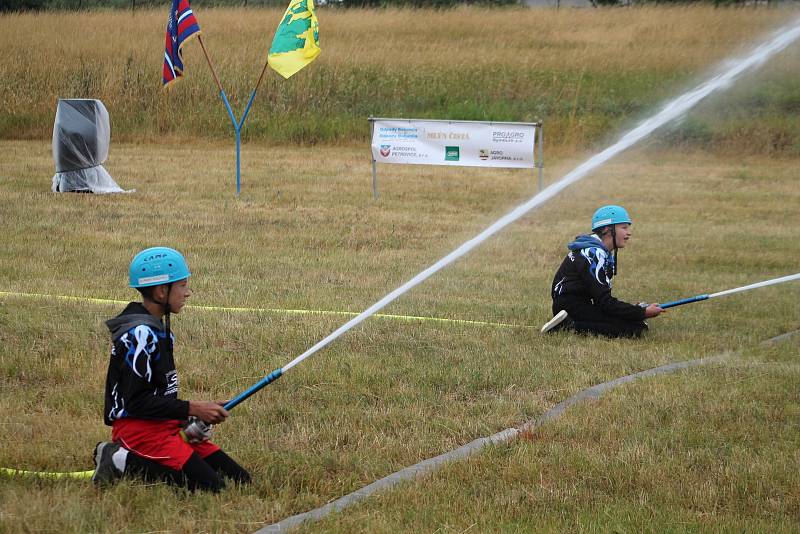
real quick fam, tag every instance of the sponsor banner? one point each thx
(471, 144)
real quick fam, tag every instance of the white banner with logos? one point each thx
(463, 143)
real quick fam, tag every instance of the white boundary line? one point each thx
(431, 464)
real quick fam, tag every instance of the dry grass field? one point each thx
(584, 72)
(307, 235)
(710, 449)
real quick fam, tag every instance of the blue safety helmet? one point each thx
(608, 215)
(157, 265)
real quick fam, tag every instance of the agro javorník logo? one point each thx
(483, 154)
(386, 150)
(451, 153)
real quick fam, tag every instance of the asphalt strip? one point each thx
(431, 464)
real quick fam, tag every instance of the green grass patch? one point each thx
(307, 234)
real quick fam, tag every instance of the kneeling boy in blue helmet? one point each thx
(581, 291)
(150, 436)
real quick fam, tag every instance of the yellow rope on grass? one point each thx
(279, 311)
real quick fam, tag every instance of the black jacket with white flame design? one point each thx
(584, 278)
(142, 381)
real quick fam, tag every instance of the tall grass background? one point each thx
(583, 72)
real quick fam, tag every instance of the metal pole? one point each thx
(535, 162)
(374, 180)
(238, 162)
(247, 108)
(237, 132)
(237, 125)
(208, 60)
(252, 96)
(261, 77)
(540, 163)
(374, 166)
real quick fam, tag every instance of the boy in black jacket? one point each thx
(581, 292)
(141, 398)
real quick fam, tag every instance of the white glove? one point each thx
(196, 431)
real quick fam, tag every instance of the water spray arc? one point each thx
(698, 298)
(672, 110)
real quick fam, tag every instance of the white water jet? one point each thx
(673, 110)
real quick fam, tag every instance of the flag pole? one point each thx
(293, 59)
(253, 94)
(244, 117)
(208, 60)
(258, 83)
(237, 125)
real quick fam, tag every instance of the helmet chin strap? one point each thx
(167, 310)
(166, 317)
(616, 250)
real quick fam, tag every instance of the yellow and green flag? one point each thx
(296, 41)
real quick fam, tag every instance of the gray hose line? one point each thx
(431, 464)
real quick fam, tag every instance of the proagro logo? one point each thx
(507, 136)
(451, 153)
(386, 150)
(483, 154)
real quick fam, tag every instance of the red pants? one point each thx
(159, 441)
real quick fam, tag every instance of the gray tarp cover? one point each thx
(81, 136)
